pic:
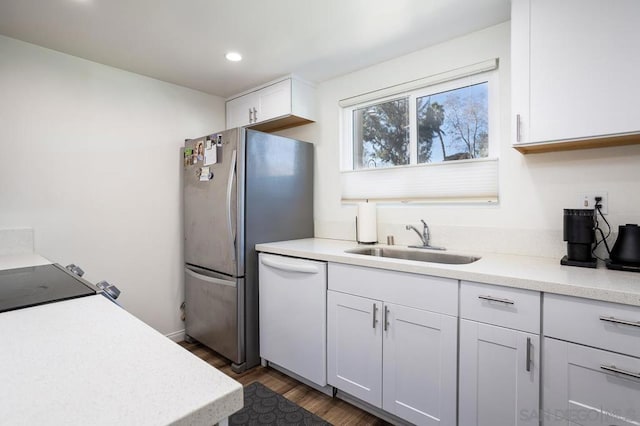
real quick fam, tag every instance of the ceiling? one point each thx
(184, 41)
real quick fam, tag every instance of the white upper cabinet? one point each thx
(240, 111)
(574, 73)
(277, 105)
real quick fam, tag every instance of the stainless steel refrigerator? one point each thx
(241, 187)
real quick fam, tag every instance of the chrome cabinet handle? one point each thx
(528, 353)
(518, 126)
(250, 116)
(255, 115)
(232, 174)
(620, 321)
(386, 318)
(617, 370)
(375, 311)
(497, 299)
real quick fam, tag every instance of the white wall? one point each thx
(90, 158)
(533, 189)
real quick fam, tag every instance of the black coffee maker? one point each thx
(579, 233)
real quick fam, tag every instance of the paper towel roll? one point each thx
(366, 224)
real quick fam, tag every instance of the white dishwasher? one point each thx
(293, 315)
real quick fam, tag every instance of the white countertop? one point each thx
(22, 261)
(533, 273)
(87, 361)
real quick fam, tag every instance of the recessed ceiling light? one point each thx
(233, 56)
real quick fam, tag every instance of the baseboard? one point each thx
(327, 390)
(176, 336)
(388, 417)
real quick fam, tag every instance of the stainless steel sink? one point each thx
(421, 256)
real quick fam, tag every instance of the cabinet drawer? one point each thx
(414, 290)
(503, 306)
(603, 325)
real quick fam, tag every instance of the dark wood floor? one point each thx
(333, 410)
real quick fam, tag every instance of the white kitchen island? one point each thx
(87, 361)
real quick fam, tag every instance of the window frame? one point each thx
(347, 116)
(493, 119)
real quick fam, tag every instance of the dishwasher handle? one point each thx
(289, 267)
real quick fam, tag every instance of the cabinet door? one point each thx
(583, 62)
(499, 376)
(520, 71)
(240, 110)
(354, 346)
(581, 385)
(274, 101)
(419, 368)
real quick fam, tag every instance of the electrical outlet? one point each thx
(588, 200)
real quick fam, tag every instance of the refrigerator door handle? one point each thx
(290, 267)
(210, 279)
(232, 175)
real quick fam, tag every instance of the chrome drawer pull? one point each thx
(386, 318)
(496, 299)
(614, 369)
(375, 310)
(620, 321)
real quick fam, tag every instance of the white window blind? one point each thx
(450, 182)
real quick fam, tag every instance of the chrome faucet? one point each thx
(424, 236)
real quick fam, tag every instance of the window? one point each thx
(394, 138)
(453, 125)
(381, 134)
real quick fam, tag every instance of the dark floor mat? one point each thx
(262, 406)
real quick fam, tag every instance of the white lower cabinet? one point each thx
(499, 376)
(588, 387)
(392, 342)
(393, 357)
(354, 346)
(591, 367)
(419, 365)
(499, 356)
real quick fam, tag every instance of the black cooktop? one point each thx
(37, 285)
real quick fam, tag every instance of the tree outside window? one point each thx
(453, 125)
(450, 125)
(381, 135)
